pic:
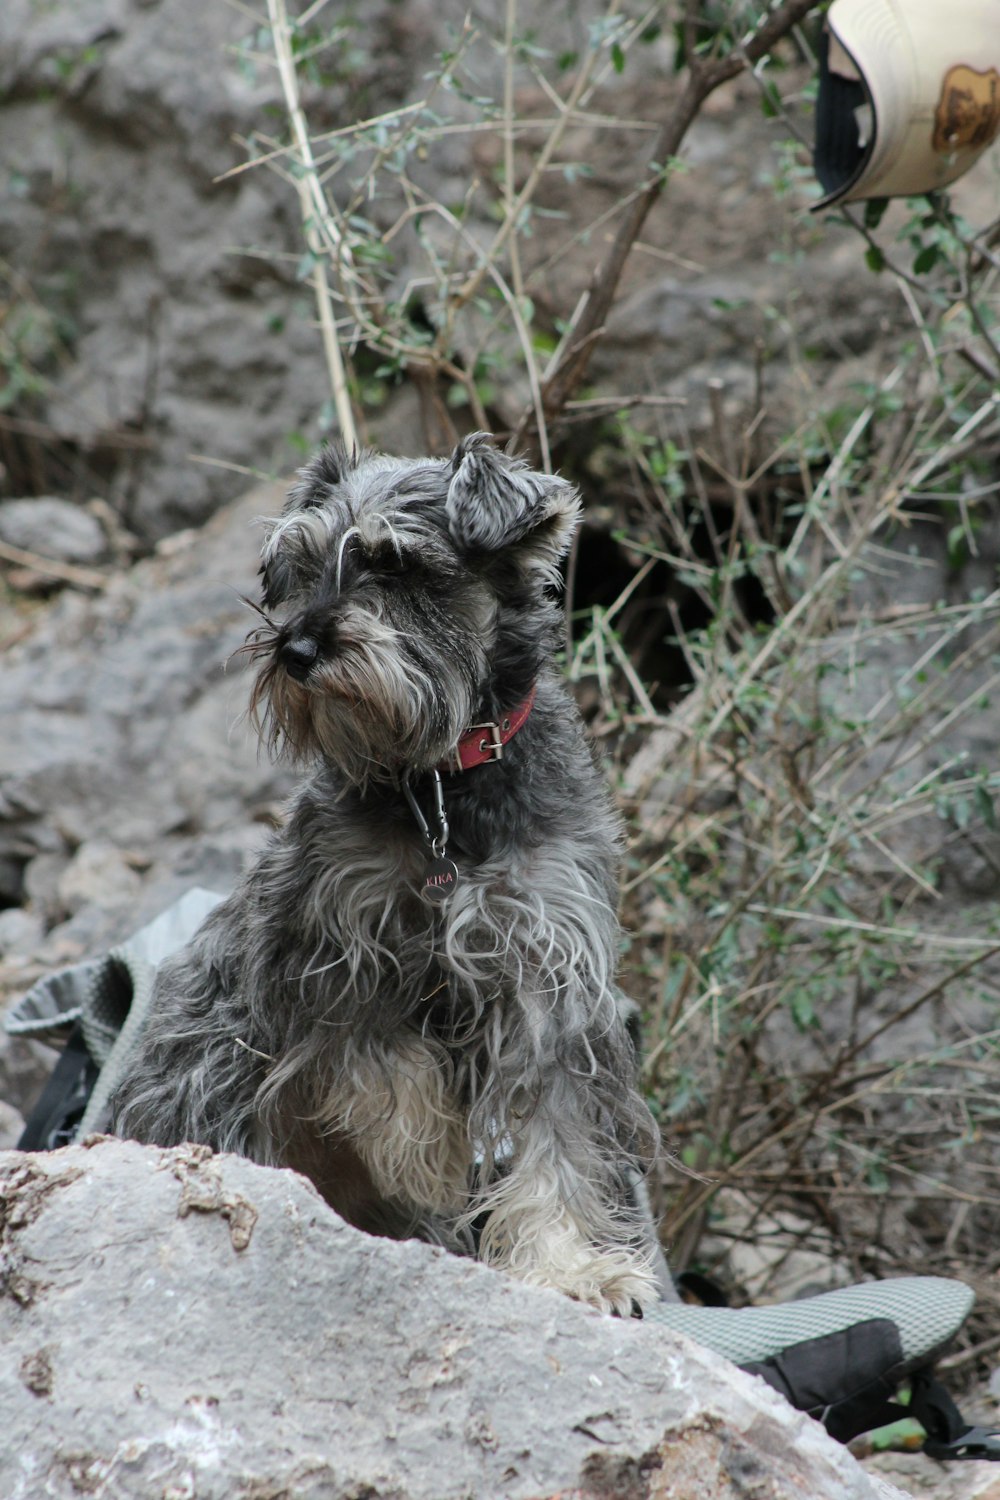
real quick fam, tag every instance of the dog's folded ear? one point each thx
(497, 503)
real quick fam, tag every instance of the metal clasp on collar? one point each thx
(491, 743)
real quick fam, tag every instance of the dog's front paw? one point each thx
(622, 1286)
(544, 1245)
(613, 1282)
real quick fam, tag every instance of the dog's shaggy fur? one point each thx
(463, 1072)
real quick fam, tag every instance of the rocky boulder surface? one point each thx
(178, 1324)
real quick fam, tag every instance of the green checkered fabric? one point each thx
(927, 1310)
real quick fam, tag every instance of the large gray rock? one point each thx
(174, 1324)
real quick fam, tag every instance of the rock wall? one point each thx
(154, 313)
(128, 772)
(166, 312)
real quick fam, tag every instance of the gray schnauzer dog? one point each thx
(411, 998)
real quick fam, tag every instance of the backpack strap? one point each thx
(54, 1120)
(949, 1436)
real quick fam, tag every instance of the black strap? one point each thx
(949, 1435)
(53, 1121)
(848, 1381)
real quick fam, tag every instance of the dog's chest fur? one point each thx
(531, 914)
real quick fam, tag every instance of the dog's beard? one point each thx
(372, 708)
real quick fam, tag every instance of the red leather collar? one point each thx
(484, 742)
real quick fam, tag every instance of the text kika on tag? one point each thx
(440, 879)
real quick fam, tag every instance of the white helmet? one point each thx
(909, 95)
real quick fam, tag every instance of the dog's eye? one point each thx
(387, 559)
(274, 579)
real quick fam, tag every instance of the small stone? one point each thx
(98, 874)
(41, 881)
(21, 932)
(53, 529)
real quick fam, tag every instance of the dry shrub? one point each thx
(815, 856)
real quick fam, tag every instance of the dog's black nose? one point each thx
(298, 656)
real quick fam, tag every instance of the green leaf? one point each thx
(874, 209)
(957, 546)
(926, 260)
(770, 102)
(874, 259)
(985, 808)
(877, 1179)
(617, 58)
(802, 1010)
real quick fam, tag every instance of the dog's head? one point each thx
(405, 599)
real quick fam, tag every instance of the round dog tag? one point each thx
(440, 879)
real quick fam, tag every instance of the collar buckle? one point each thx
(490, 742)
(483, 744)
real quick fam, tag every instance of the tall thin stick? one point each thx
(313, 211)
